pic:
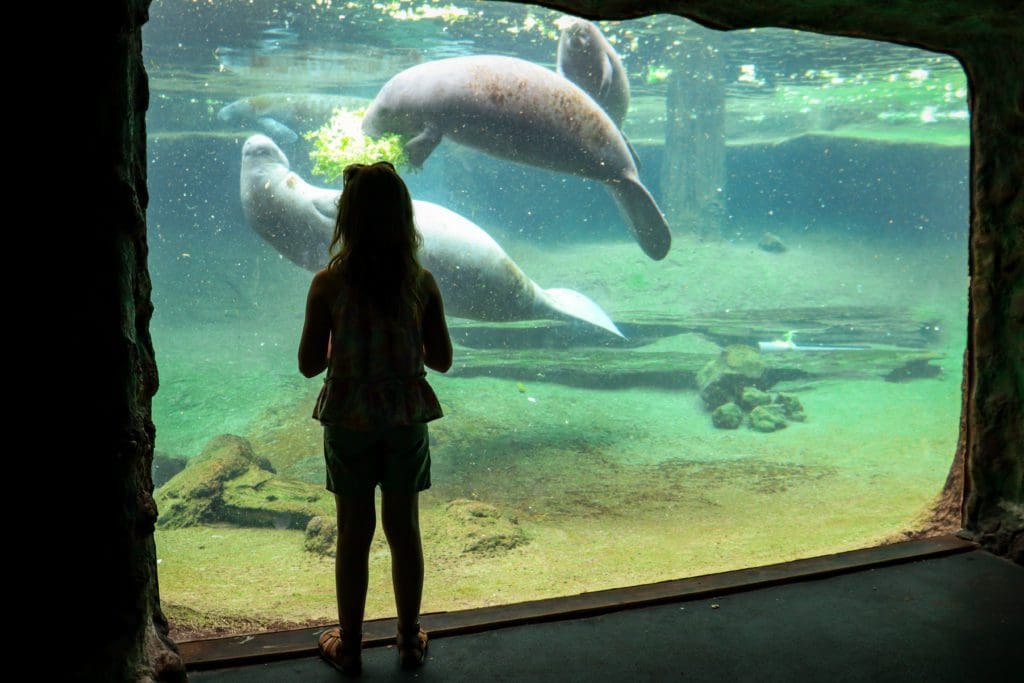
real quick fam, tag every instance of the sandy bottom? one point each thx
(609, 487)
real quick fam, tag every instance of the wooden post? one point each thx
(693, 167)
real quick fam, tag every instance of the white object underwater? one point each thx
(787, 344)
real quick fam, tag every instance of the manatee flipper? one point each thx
(632, 152)
(327, 205)
(607, 74)
(643, 215)
(278, 131)
(571, 303)
(420, 147)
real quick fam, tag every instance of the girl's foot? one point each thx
(341, 652)
(412, 649)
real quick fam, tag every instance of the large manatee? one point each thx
(476, 277)
(587, 59)
(517, 110)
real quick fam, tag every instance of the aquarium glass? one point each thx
(784, 383)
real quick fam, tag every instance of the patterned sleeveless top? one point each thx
(375, 375)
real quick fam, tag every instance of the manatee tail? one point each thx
(569, 302)
(644, 217)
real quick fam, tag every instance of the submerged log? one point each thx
(890, 345)
(831, 326)
(602, 368)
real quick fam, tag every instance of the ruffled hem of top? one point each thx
(361, 405)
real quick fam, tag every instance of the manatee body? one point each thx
(587, 59)
(477, 278)
(517, 110)
(283, 116)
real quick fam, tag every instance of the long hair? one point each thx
(378, 241)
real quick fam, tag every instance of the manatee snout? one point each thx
(260, 148)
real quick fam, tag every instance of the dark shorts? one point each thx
(396, 458)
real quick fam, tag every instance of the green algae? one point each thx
(341, 142)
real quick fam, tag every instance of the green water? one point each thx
(593, 460)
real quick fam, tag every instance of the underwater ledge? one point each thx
(126, 638)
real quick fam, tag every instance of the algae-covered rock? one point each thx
(768, 418)
(322, 536)
(228, 446)
(772, 243)
(481, 528)
(752, 397)
(744, 360)
(229, 483)
(165, 467)
(727, 416)
(722, 380)
(791, 406)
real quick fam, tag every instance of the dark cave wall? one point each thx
(124, 636)
(110, 598)
(994, 483)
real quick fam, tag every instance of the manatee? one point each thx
(587, 59)
(477, 278)
(514, 109)
(280, 115)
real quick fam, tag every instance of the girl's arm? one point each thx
(437, 345)
(314, 347)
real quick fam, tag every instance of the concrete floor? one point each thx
(954, 618)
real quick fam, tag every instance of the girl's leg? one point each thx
(356, 522)
(400, 515)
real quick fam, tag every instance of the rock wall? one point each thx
(109, 597)
(119, 633)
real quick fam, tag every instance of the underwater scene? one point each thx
(707, 291)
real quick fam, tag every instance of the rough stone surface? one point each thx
(727, 416)
(481, 528)
(752, 397)
(228, 483)
(722, 380)
(165, 467)
(322, 536)
(127, 636)
(791, 407)
(103, 268)
(772, 243)
(768, 418)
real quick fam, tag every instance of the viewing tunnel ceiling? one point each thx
(126, 639)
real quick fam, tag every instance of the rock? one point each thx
(229, 483)
(722, 380)
(727, 416)
(165, 467)
(914, 369)
(771, 242)
(752, 397)
(768, 418)
(322, 536)
(791, 407)
(227, 446)
(481, 528)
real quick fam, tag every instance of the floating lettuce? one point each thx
(341, 142)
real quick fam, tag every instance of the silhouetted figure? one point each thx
(374, 318)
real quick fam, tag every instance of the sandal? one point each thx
(343, 655)
(412, 650)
